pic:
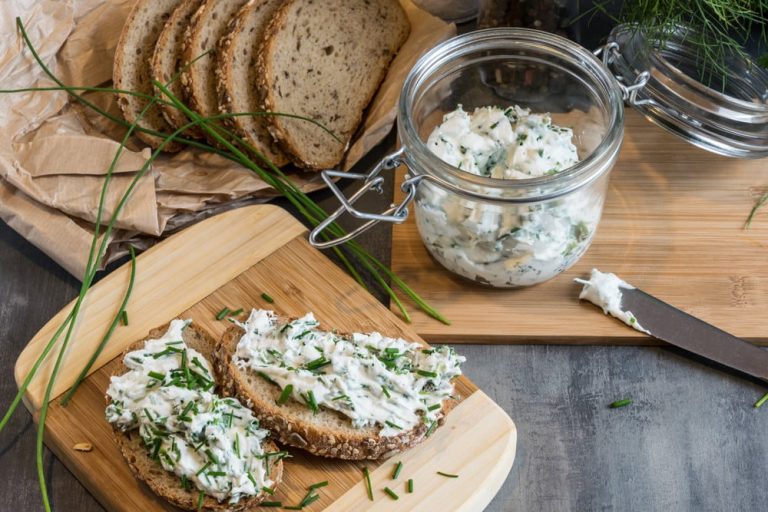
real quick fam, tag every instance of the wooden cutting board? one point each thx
(230, 260)
(672, 225)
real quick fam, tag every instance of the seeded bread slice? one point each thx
(166, 62)
(164, 483)
(325, 60)
(132, 70)
(327, 433)
(208, 25)
(236, 75)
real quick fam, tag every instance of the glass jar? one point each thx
(502, 232)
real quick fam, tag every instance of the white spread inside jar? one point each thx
(505, 245)
(210, 442)
(372, 379)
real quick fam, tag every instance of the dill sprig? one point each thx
(762, 200)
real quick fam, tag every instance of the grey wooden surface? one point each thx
(691, 440)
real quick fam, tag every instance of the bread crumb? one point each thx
(83, 447)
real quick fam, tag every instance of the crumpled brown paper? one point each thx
(54, 153)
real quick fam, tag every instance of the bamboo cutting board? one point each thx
(672, 225)
(231, 259)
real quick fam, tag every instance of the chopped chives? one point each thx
(319, 484)
(447, 475)
(311, 401)
(340, 397)
(202, 469)
(396, 472)
(316, 364)
(183, 416)
(433, 407)
(216, 473)
(409, 486)
(286, 394)
(620, 403)
(293, 507)
(184, 482)
(267, 298)
(124, 317)
(271, 504)
(221, 314)
(386, 391)
(761, 401)
(211, 456)
(368, 486)
(431, 429)
(236, 312)
(265, 377)
(200, 498)
(264, 489)
(156, 375)
(393, 425)
(253, 480)
(425, 373)
(309, 500)
(391, 493)
(236, 444)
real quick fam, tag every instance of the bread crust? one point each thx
(277, 126)
(124, 101)
(286, 421)
(164, 483)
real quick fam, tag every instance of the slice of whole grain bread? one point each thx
(132, 66)
(208, 25)
(236, 75)
(166, 62)
(327, 433)
(164, 483)
(325, 60)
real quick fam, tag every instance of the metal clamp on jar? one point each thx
(519, 232)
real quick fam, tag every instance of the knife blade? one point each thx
(678, 328)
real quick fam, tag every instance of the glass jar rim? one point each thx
(482, 187)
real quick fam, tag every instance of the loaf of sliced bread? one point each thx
(208, 25)
(236, 75)
(164, 483)
(132, 67)
(325, 60)
(166, 62)
(326, 432)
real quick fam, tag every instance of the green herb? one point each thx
(319, 485)
(431, 429)
(267, 298)
(221, 314)
(447, 475)
(620, 403)
(425, 373)
(211, 456)
(393, 425)
(236, 312)
(203, 469)
(368, 486)
(391, 493)
(156, 376)
(216, 473)
(396, 472)
(758, 204)
(340, 397)
(287, 391)
(311, 401)
(273, 504)
(200, 498)
(317, 364)
(386, 391)
(124, 317)
(541, 153)
(494, 125)
(265, 489)
(761, 401)
(265, 377)
(184, 482)
(434, 407)
(236, 445)
(183, 416)
(409, 486)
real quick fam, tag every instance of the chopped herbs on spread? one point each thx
(372, 379)
(209, 442)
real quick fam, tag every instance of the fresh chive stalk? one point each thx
(319, 484)
(221, 314)
(272, 504)
(286, 394)
(762, 200)
(447, 475)
(620, 403)
(760, 402)
(368, 487)
(200, 499)
(396, 472)
(311, 403)
(124, 318)
(236, 312)
(391, 493)
(267, 298)
(409, 486)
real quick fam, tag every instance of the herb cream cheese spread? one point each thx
(212, 442)
(604, 290)
(500, 245)
(372, 379)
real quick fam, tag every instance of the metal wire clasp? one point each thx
(396, 213)
(610, 52)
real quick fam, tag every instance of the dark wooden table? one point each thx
(691, 440)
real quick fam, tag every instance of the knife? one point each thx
(678, 328)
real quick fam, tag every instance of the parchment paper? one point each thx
(54, 152)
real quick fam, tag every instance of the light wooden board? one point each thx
(672, 225)
(230, 260)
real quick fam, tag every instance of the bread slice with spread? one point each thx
(195, 449)
(361, 396)
(325, 61)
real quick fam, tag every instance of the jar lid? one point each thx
(723, 110)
